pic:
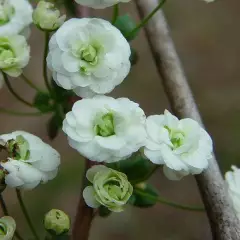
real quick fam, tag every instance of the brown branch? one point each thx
(84, 216)
(224, 224)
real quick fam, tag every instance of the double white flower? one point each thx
(98, 4)
(181, 145)
(15, 17)
(233, 183)
(105, 129)
(32, 161)
(90, 56)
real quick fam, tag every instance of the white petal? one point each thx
(174, 175)
(88, 195)
(93, 170)
(154, 156)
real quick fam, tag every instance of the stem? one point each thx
(85, 214)
(13, 91)
(45, 75)
(167, 202)
(146, 19)
(5, 211)
(26, 215)
(23, 114)
(115, 13)
(31, 84)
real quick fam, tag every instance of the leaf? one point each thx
(138, 200)
(43, 102)
(53, 126)
(137, 168)
(103, 212)
(126, 25)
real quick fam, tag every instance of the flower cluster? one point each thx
(110, 188)
(30, 160)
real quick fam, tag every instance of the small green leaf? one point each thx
(103, 212)
(43, 102)
(53, 126)
(126, 25)
(140, 201)
(137, 168)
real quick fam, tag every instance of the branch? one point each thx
(84, 216)
(223, 220)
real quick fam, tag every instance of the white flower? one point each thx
(14, 54)
(99, 4)
(233, 183)
(90, 56)
(47, 17)
(15, 16)
(181, 145)
(105, 129)
(31, 160)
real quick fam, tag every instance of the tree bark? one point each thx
(223, 220)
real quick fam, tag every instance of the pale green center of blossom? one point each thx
(6, 12)
(19, 148)
(89, 54)
(114, 189)
(176, 137)
(104, 126)
(7, 55)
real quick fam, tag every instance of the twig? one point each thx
(84, 216)
(224, 224)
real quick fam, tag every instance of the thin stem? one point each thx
(30, 83)
(45, 75)
(146, 19)
(26, 215)
(115, 13)
(6, 213)
(13, 91)
(167, 202)
(23, 114)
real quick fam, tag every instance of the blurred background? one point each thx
(207, 39)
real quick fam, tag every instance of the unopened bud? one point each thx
(57, 222)
(47, 17)
(7, 228)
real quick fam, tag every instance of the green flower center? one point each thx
(104, 126)
(19, 148)
(176, 137)
(6, 12)
(7, 55)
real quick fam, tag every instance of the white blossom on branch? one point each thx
(30, 161)
(182, 146)
(90, 56)
(105, 129)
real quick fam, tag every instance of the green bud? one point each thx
(47, 17)
(57, 222)
(110, 188)
(89, 54)
(19, 148)
(105, 125)
(7, 228)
